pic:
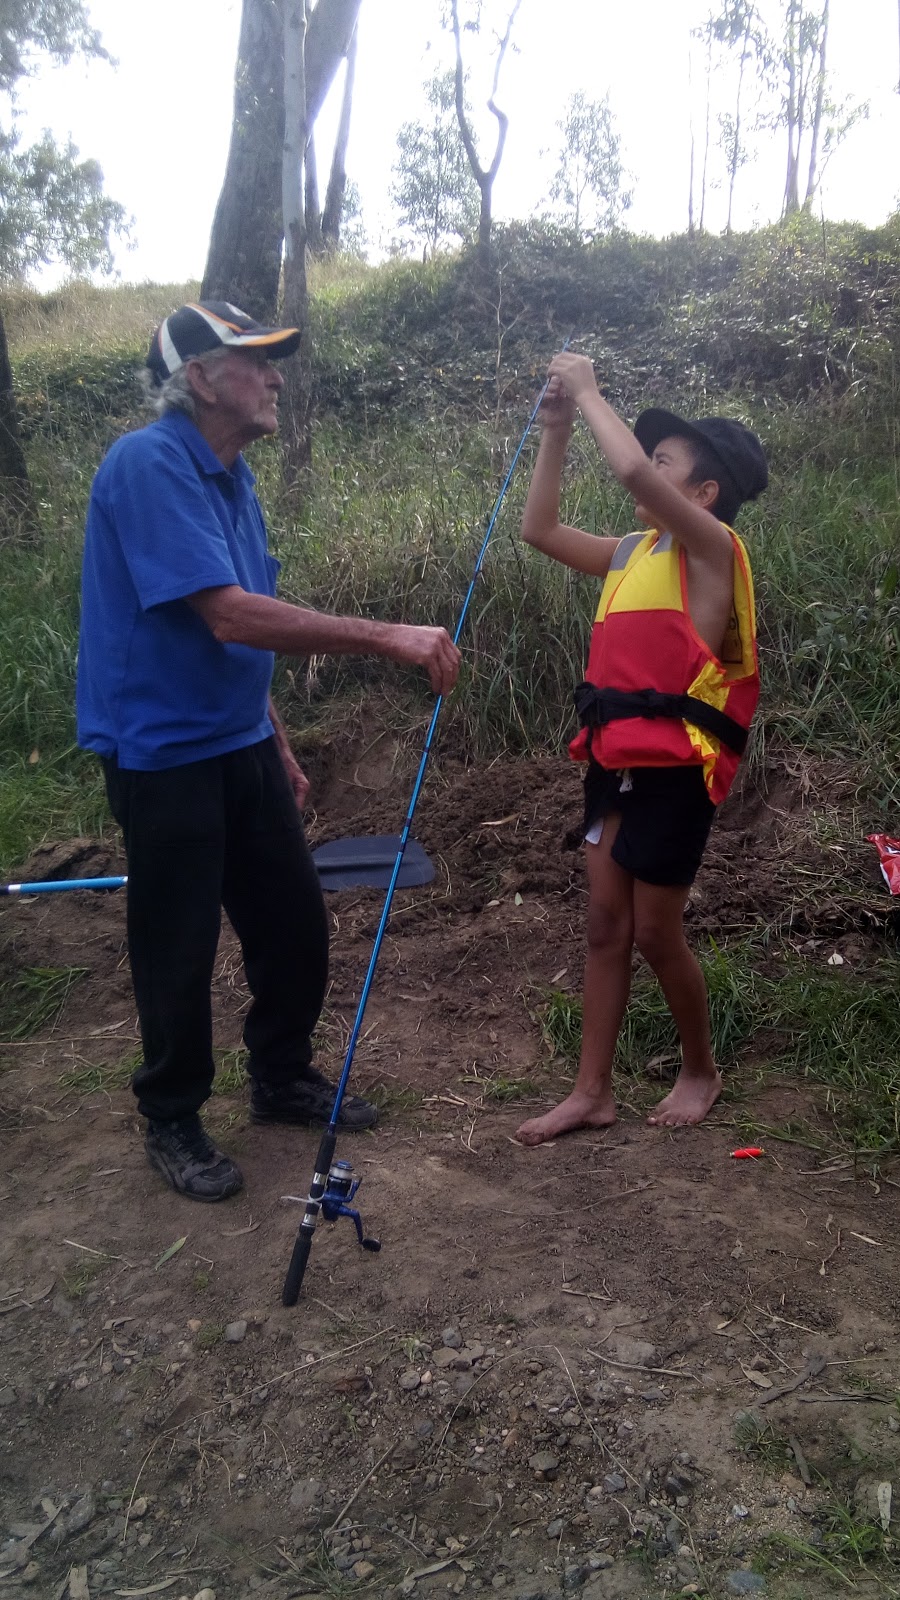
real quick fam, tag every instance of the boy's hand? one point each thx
(557, 407)
(576, 374)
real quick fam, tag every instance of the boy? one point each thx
(672, 683)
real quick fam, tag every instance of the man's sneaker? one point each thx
(309, 1098)
(183, 1153)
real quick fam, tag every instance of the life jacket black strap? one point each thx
(596, 707)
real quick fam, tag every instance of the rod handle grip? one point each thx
(295, 1273)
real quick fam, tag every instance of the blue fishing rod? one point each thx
(333, 1184)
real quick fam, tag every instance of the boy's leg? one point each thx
(659, 935)
(607, 979)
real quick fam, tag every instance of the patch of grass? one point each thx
(34, 998)
(501, 1090)
(758, 1439)
(231, 1072)
(105, 1077)
(79, 1277)
(211, 1334)
(394, 1097)
(838, 1030)
(200, 1281)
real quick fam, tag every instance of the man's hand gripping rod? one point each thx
(332, 1184)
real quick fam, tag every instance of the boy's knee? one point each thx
(609, 931)
(657, 941)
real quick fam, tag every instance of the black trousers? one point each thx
(224, 832)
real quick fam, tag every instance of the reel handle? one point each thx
(290, 1294)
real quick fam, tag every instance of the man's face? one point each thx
(246, 386)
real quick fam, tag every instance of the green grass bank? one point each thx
(424, 378)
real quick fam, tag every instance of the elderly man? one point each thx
(179, 628)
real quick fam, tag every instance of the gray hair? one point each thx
(175, 393)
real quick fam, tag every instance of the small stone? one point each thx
(600, 1562)
(138, 1509)
(555, 1528)
(544, 1464)
(82, 1513)
(743, 1582)
(740, 1512)
(236, 1332)
(574, 1576)
(614, 1483)
(452, 1338)
(363, 1569)
(410, 1379)
(444, 1358)
(205, 1594)
(306, 1495)
(425, 1429)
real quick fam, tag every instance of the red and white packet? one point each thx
(889, 858)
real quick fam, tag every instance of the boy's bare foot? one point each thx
(692, 1099)
(578, 1110)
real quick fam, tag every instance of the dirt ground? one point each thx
(622, 1366)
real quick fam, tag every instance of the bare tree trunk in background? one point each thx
(709, 40)
(244, 261)
(296, 427)
(691, 124)
(245, 245)
(818, 65)
(736, 150)
(18, 518)
(311, 211)
(484, 177)
(337, 181)
(793, 107)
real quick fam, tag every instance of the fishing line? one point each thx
(333, 1184)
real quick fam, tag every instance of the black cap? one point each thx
(738, 449)
(197, 328)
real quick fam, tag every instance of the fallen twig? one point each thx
(360, 1486)
(814, 1366)
(635, 1366)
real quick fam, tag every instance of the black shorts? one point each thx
(666, 816)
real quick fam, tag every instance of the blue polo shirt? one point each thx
(166, 518)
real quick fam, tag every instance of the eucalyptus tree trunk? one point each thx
(296, 408)
(793, 107)
(337, 180)
(736, 148)
(820, 69)
(311, 213)
(244, 260)
(18, 519)
(245, 246)
(484, 176)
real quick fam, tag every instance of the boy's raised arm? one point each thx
(541, 527)
(701, 533)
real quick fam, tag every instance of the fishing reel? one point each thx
(339, 1191)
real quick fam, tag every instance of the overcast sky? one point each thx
(159, 121)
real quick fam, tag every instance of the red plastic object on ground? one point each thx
(889, 857)
(748, 1153)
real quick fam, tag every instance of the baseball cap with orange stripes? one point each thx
(204, 325)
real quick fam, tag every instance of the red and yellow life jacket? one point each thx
(645, 654)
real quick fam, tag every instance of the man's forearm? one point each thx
(237, 617)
